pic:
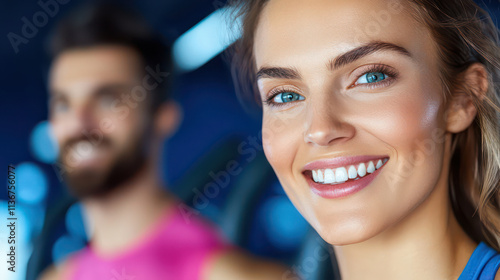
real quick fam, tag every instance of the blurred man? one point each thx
(110, 115)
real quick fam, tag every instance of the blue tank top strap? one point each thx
(482, 265)
(491, 268)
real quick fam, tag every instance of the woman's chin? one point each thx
(341, 236)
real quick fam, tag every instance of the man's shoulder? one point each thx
(63, 269)
(51, 273)
(58, 272)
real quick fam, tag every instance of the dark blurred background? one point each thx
(251, 208)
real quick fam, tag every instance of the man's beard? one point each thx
(92, 182)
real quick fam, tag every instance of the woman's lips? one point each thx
(339, 177)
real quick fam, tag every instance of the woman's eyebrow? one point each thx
(363, 51)
(337, 62)
(278, 73)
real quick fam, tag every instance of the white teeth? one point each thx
(362, 170)
(83, 150)
(329, 176)
(340, 174)
(371, 167)
(320, 176)
(352, 172)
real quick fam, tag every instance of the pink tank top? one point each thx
(176, 249)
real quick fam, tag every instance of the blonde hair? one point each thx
(465, 34)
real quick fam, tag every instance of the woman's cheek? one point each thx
(405, 115)
(409, 131)
(281, 139)
(279, 142)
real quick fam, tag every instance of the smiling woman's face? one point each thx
(347, 84)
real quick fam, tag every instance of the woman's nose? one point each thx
(325, 125)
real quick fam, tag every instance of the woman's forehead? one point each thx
(295, 29)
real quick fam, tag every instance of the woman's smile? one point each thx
(342, 176)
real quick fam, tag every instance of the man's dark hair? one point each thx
(106, 23)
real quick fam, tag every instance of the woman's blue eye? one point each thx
(371, 77)
(285, 97)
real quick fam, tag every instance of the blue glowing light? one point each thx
(205, 40)
(284, 225)
(74, 221)
(31, 185)
(35, 214)
(43, 144)
(66, 245)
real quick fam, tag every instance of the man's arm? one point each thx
(57, 272)
(51, 273)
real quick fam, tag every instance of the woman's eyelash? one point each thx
(269, 100)
(380, 68)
